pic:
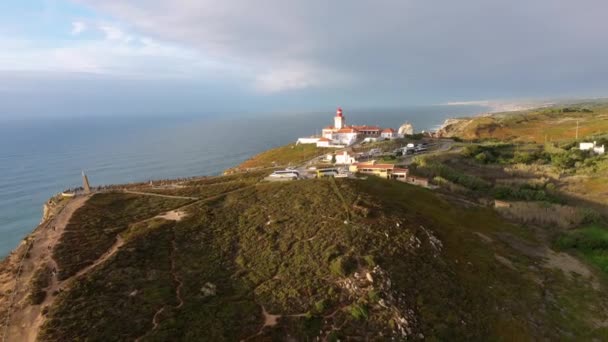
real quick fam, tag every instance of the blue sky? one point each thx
(89, 57)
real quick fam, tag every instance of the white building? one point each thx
(592, 146)
(389, 133)
(311, 140)
(342, 158)
(340, 134)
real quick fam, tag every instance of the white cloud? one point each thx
(78, 27)
(117, 53)
(112, 32)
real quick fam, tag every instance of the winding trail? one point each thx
(178, 294)
(24, 320)
(159, 195)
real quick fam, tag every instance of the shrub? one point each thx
(358, 311)
(40, 282)
(320, 306)
(524, 158)
(482, 157)
(470, 151)
(342, 266)
(373, 296)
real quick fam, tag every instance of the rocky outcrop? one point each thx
(452, 127)
(406, 129)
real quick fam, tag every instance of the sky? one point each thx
(89, 57)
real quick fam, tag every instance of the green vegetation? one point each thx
(431, 168)
(525, 192)
(288, 155)
(358, 311)
(553, 124)
(94, 227)
(590, 241)
(212, 186)
(302, 250)
(40, 281)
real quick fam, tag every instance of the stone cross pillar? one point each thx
(85, 183)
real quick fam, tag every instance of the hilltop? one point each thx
(509, 245)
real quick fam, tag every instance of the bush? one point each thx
(569, 159)
(524, 193)
(523, 158)
(342, 266)
(482, 157)
(358, 311)
(320, 306)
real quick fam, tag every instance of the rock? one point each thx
(369, 277)
(406, 129)
(209, 289)
(133, 294)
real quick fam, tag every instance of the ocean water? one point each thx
(39, 158)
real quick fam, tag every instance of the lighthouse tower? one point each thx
(339, 120)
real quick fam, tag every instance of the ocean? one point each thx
(41, 157)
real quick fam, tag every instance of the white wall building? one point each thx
(311, 140)
(340, 134)
(343, 158)
(592, 146)
(389, 133)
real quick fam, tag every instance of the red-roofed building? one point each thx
(341, 134)
(388, 133)
(368, 130)
(371, 168)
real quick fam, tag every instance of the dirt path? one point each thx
(178, 291)
(551, 259)
(159, 195)
(25, 319)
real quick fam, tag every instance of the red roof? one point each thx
(346, 130)
(366, 128)
(388, 130)
(375, 166)
(324, 139)
(339, 112)
(399, 170)
(329, 127)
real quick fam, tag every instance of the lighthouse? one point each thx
(339, 120)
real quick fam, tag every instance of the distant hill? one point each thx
(555, 123)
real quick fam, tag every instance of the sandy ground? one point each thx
(557, 260)
(25, 319)
(174, 215)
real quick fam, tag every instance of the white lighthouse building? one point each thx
(339, 119)
(341, 135)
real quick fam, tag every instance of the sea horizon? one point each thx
(41, 157)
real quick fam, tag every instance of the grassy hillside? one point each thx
(335, 259)
(539, 125)
(288, 155)
(94, 227)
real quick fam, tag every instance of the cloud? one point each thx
(78, 27)
(117, 53)
(403, 46)
(115, 33)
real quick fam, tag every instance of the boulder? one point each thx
(406, 129)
